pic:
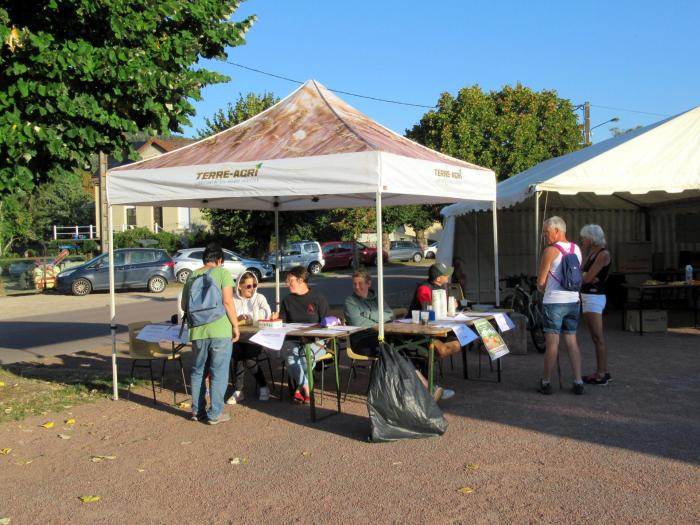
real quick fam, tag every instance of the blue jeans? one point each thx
(296, 361)
(560, 317)
(213, 356)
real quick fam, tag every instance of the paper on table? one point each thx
(404, 321)
(155, 333)
(325, 331)
(464, 334)
(269, 338)
(503, 321)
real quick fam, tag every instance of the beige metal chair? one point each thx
(143, 353)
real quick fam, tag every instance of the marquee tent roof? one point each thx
(311, 150)
(650, 165)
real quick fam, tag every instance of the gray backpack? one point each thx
(204, 303)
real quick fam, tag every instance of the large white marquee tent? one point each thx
(309, 151)
(625, 183)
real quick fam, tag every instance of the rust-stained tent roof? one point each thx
(311, 121)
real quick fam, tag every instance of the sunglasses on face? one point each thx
(251, 286)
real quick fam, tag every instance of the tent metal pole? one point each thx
(495, 253)
(112, 305)
(380, 267)
(537, 228)
(278, 260)
(478, 254)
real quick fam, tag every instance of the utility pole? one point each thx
(587, 123)
(102, 205)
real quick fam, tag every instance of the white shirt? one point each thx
(553, 292)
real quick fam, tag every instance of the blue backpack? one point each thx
(570, 266)
(204, 303)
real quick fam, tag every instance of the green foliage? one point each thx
(77, 76)
(130, 239)
(508, 131)
(616, 132)
(62, 202)
(16, 221)
(245, 107)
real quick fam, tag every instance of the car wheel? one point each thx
(430, 255)
(182, 276)
(256, 273)
(81, 287)
(157, 284)
(315, 267)
(417, 257)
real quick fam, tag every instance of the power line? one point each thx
(409, 103)
(333, 90)
(630, 111)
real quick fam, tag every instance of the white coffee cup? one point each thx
(415, 316)
(424, 316)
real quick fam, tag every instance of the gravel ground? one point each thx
(625, 453)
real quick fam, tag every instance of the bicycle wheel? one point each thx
(537, 326)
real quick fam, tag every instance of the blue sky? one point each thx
(642, 55)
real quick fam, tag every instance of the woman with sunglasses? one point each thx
(250, 306)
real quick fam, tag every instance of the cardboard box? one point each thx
(633, 256)
(652, 320)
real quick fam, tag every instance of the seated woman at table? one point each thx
(250, 306)
(595, 268)
(302, 305)
(362, 309)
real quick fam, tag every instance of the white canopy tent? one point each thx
(653, 165)
(309, 151)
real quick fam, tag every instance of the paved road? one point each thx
(47, 325)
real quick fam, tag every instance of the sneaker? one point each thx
(447, 394)
(545, 388)
(578, 388)
(437, 393)
(264, 393)
(235, 398)
(593, 379)
(299, 397)
(198, 417)
(223, 417)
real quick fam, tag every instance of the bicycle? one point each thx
(525, 300)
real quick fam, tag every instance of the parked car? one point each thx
(133, 268)
(189, 259)
(339, 254)
(300, 253)
(431, 251)
(405, 251)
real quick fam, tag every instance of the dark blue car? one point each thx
(133, 268)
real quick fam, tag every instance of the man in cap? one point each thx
(438, 278)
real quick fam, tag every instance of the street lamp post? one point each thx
(588, 130)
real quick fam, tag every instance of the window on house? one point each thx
(131, 216)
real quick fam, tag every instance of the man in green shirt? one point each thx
(212, 342)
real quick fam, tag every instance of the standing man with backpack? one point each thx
(560, 279)
(207, 300)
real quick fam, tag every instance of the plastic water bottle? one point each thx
(688, 273)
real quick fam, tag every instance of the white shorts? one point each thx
(592, 303)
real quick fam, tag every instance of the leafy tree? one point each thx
(16, 222)
(245, 107)
(615, 132)
(508, 131)
(62, 202)
(76, 76)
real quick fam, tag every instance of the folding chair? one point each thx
(143, 353)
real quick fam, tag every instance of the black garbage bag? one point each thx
(399, 406)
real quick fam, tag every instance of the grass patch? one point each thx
(22, 397)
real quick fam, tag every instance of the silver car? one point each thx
(405, 251)
(307, 254)
(189, 259)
